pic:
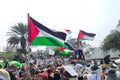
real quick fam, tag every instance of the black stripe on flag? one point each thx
(88, 34)
(57, 34)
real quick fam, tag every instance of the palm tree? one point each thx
(18, 35)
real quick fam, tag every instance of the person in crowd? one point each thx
(80, 70)
(94, 75)
(32, 69)
(65, 75)
(56, 75)
(79, 53)
(118, 72)
(39, 53)
(111, 72)
(31, 59)
(112, 75)
(81, 50)
(4, 75)
(94, 62)
(6, 62)
(101, 62)
(103, 74)
(52, 68)
(25, 76)
(14, 72)
(44, 75)
(39, 69)
(107, 61)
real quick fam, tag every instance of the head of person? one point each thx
(42, 76)
(108, 56)
(14, 67)
(79, 68)
(4, 75)
(94, 68)
(57, 72)
(24, 74)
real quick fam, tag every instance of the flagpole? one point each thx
(28, 19)
(28, 25)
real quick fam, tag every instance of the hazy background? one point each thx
(95, 16)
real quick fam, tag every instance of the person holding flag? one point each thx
(79, 47)
(82, 35)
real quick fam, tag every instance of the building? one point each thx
(98, 53)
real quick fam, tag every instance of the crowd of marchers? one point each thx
(52, 68)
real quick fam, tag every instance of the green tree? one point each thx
(18, 35)
(112, 41)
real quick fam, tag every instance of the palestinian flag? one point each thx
(68, 31)
(64, 51)
(39, 35)
(85, 35)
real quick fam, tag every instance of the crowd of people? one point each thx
(43, 67)
(52, 68)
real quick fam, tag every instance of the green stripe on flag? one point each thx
(47, 41)
(65, 52)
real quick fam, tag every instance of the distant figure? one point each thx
(79, 53)
(101, 62)
(6, 62)
(107, 61)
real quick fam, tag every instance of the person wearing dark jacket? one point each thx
(107, 59)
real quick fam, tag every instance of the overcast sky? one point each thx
(95, 16)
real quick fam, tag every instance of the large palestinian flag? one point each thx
(39, 35)
(85, 35)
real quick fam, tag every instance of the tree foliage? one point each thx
(18, 35)
(112, 41)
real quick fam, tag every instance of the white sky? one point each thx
(95, 16)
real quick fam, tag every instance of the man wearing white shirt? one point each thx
(94, 75)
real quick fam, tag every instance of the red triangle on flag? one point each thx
(80, 35)
(33, 31)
